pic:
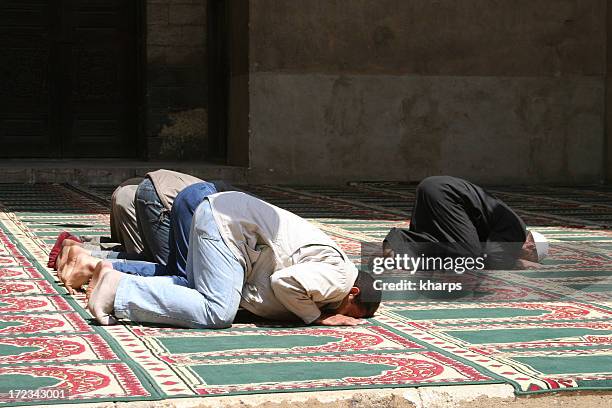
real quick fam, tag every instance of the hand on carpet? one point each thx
(338, 320)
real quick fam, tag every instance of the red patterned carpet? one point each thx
(541, 330)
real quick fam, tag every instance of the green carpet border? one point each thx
(149, 385)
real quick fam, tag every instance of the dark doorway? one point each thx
(228, 71)
(218, 76)
(68, 84)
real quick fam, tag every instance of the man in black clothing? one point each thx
(455, 218)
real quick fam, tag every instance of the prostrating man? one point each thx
(154, 200)
(139, 221)
(78, 271)
(123, 225)
(453, 217)
(242, 252)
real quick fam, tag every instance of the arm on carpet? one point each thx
(300, 287)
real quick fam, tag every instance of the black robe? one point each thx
(453, 217)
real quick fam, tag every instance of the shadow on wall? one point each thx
(185, 135)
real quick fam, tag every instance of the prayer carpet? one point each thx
(540, 330)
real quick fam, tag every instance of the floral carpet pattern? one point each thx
(539, 330)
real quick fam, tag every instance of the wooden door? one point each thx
(29, 120)
(68, 78)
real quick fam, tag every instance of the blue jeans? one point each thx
(181, 217)
(183, 208)
(153, 223)
(207, 297)
(173, 253)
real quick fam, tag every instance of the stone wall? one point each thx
(495, 91)
(176, 79)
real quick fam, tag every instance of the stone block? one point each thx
(187, 14)
(193, 36)
(164, 35)
(187, 55)
(157, 14)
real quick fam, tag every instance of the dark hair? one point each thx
(368, 298)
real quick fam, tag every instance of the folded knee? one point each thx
(218, 322)
(217, 316)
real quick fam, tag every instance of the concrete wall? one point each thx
(177, 107)
(495, 91)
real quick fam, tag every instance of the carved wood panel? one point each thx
(68, 78)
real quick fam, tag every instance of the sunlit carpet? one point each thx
(542, 330)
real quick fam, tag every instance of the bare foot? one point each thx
(57, 247)
(101, 293)
(61, 260)
(67, 256)
(78, 272)
(95, 278)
